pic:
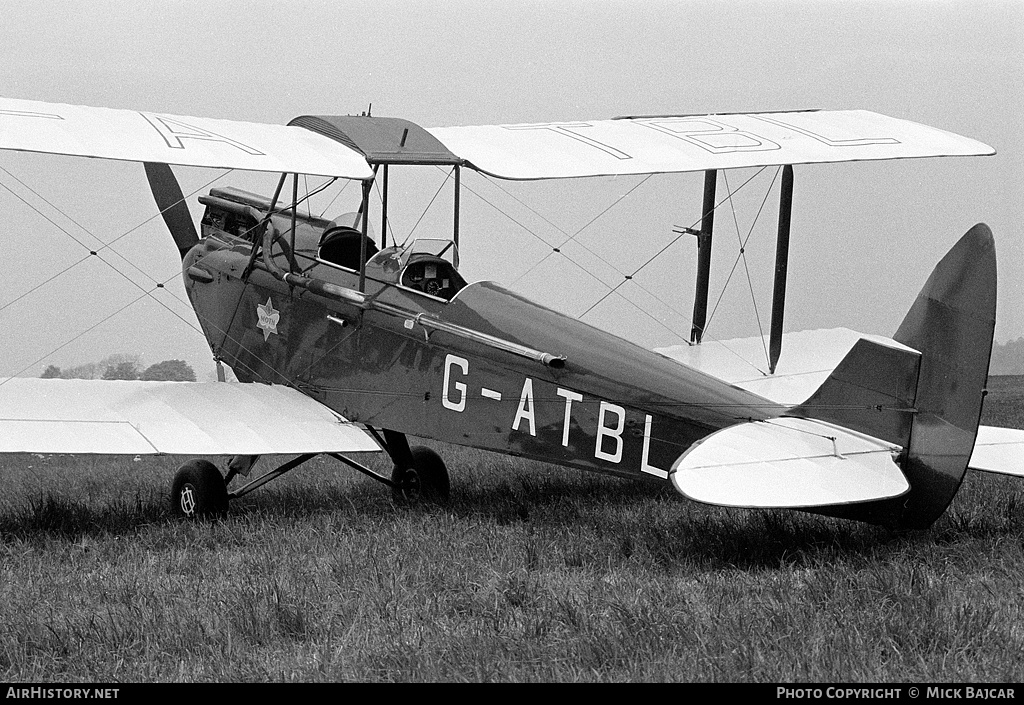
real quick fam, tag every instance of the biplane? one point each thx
(346, 343)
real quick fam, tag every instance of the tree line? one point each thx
(121, 366)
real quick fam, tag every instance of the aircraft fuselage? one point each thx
(612, 406)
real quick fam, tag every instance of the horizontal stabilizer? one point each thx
(999, 450)
(175, 418)
(810, 357)
(788, 463)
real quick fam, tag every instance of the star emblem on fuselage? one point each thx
(268, 318)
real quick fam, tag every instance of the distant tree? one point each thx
(170, 371)
(122, 370)
(51, 372)
(86, 371)
(118, 358)
(1008, 358)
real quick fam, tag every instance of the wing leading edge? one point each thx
(174, 418)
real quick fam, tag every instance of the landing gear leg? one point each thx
(420, 473)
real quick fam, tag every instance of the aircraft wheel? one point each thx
(198, 491)
(426, 480)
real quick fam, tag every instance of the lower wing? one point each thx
(174, 418)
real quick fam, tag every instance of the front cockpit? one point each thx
(331, 249)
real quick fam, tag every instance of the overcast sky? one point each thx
(865, 235)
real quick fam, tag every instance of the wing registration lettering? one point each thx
(830, 141)
(572, 131)
(162, 138)
(712, 135)
(173, 131)
(31, 114)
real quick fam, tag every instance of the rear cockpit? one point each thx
(425, 265)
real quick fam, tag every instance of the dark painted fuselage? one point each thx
(613, 407)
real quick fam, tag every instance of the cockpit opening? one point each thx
(433, 276)
(425, 265)
(343, 245)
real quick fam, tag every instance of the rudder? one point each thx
(951, 324)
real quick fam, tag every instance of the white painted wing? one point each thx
(808, 358)
(176, 418)
(788, 463)
(131, 135)
(649, 145)
(999, 450)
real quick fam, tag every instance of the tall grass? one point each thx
(530, 573)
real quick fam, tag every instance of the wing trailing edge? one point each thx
(173, 418)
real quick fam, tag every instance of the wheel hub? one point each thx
(188, 500)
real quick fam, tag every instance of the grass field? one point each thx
(532, 573)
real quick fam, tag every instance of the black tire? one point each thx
(198, 491)
(425, 481)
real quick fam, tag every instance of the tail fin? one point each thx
(930, 406)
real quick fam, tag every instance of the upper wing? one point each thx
(635, 145)
(649, 145)
(132, 135)
(177, 418)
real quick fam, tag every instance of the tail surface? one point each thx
(930, 404)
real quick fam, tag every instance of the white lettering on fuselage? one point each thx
(525, 410)
(644, 465)
(603, 432)
(570, 397)
(463, 364)
(609, 433)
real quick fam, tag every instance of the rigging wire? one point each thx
(448, 175)
(742, 255)
(159, 285)
(68, 342)
(572, 238)
(636, 283)
(87, 231)
(630, 277)
(336, 196)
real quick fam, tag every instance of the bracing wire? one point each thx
(84, 332)
(91, 251)
(448, 175)
(741, 255)
(629, 277)
(159, 285)
(572, 238)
